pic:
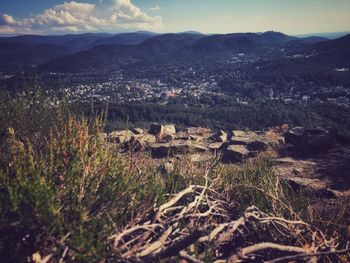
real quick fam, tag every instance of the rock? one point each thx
(243, 137)
(137, 131)
(285, 161)
(120, 137)
(319, 139)
(196, 138)
(236, 133)
(143, 141)
(253, 141)
(147, 139)
(235, 153)
(240, 140)
(200, 148)
(257, 145)
(162, 150)
(181, 136)
(168, 138)
(198, 131)
(220, 136)
(215, 146)
(140, 142)
(135, 145)
(160, 131)
(314, 186)
(309, 139)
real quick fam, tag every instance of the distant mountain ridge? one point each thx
(75, 53)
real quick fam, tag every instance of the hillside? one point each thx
(118, 196)
(23, 57)
(336, 51)
(69, 53)
(184, 47)
(240, 43)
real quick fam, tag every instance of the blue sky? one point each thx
(207, 16)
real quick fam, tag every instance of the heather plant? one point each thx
(73, 187)
(255, 183)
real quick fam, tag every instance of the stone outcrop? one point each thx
(161, 131)
(138, 131)
(220, 136)
(120, 137)
(163, 141)
(141, 142)
(258, 145)
(199, 131)
(235, 153)
(307, 140)
(215, 146)
(197, 145)
(163, 150)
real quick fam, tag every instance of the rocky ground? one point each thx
(316, 162)
(310, 159)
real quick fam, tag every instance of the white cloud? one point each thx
(155, 8)
(6, 20)
(107, 15)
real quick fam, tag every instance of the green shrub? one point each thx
(256, 183)
(74, 184)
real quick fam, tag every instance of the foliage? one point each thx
(224, 113)
(74, 185)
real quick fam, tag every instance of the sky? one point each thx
(206, 16)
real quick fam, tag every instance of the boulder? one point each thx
(236, 133)
(220, 136)
(161, 131)
(243, 137)
(162, 150)
(198, 131)
(120, 137)
(138, 131)
(147, 139)
(196, 138)
(215, 146)
(142, 141)
(241, 140)
(181, 136)
(166, 138)
(199, 148)
(253, 141)
(235, 153)
(258, 145)
(295, 136)
(313, 186)
(309, 139)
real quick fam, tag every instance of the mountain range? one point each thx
(84, 52)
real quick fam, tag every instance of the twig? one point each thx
(308, 255)
(63, 255)
(174, 249)
(263, 246)
(188, 258)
